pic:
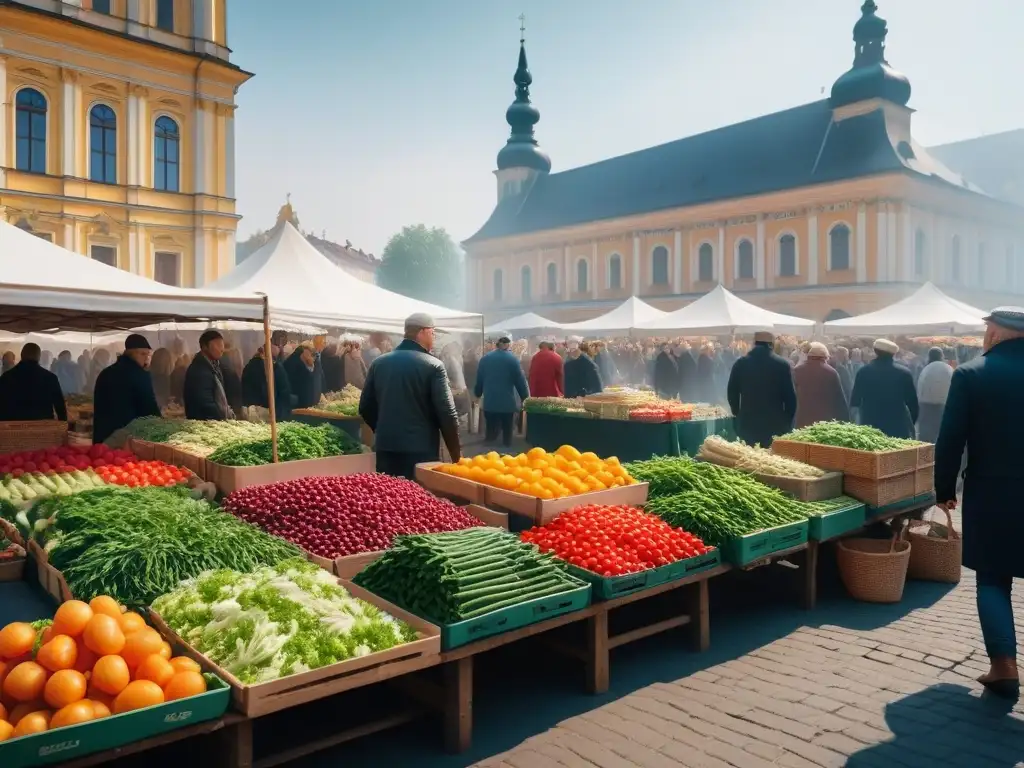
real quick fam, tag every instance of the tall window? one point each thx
(30, 111)
(839, 247)
(787, 256)
(165, 14)
(165, 150)
(745, 260)
(581, 276)
(982, 258)
(659, 265)
(552, 280)
(706, 263)
(526, 276)
(920, 262)
(166, 268)
(615, 273)
(498, 286)
(101, 6)
(103, 144)
(105, 254)
(954, 258)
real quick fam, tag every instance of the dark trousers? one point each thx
(995, 611)
(495, 422)
(398, 464)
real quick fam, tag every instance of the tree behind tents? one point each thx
(423, 263)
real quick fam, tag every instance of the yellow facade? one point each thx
(171, 221)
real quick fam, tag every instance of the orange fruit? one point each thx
(65, 687)
(73, 714)
(185, 664)
(60, 653)
(25, 682)
(110, 675)
(141, 644)
(71, 618)
(46, 635)
(103, 635)
(3, 712)
(156, 668)
(6, 730)
(99, 697)
(16, 639)
(131, 622)
(86, 659)
(99, 709)
(137, 695)
(107, 606)
(25, 709)
(165, 651)
(183, 685)
(36, 722)
(5, 667)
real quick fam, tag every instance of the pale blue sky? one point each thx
(375, 114)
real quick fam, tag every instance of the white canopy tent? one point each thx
(305, 287)
(528, 324)
(630, 314)
(926, 311)
(720, 312)
(43, 286)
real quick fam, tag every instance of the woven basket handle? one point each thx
(949, 523)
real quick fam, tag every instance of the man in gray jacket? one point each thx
(408, 403)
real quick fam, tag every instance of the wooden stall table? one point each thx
(136, 747)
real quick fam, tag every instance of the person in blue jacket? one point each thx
(502, 385)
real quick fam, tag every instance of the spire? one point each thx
(522, 150)
(287, 213)
(871, 76)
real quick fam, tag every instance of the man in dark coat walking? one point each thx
(884, 392)
(761, 393)
(666, 374)
(124, 390)
(687, 370)
(301, 367)
(29, 392)
(985, 414)
(582, 377)
(254, 384)
(499, 380)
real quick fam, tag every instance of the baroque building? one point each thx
(824, 210)
(117, 137)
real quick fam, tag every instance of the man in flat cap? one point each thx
(884, 393)
(124, 390)
(985, 414)
(407, 402)
(761, 393)
(502, 386)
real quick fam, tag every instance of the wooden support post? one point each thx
(700, 616)
(458, 705)
(268, 370)
(810, 595)
(236, 740)
(597, 653)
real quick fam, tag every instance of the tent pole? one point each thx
(268, 368)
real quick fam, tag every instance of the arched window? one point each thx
(982, 258)
(787, 256)
(659, 265)
(30, 135)
(552, 279)
(165, 151)
(839, 248)
(615, 272)
(706, 263)
(103, 144)
(526, 275)
(745, 260)
(954, 258)
(499, 287)
(581, 276)
(920, 260)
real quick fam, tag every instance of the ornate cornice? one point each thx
(139, 91)
(69, 75)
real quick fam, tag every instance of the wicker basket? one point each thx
(874, 570)
(32, 435)
(936, 552)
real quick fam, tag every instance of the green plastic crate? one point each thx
(744, 550)
(514, 617)
(609, 587)
(787, 536)
(896, 506)
(836, 523)
(111, 732)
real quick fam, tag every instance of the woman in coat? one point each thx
(819, 390)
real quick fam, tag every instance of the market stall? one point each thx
(630, 314)
(926, 311)
(528, 324)
(720, 312)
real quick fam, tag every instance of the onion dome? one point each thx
(521, 150)
(871, 76)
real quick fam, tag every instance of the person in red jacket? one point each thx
(546, 374)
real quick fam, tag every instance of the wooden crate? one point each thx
(13, 569)
(144, 449)
(228, 479)
(925, 455)
(807, 488)
(50, 579)
(826, 457)
(347, 566)
(878, 493)
(10, 532)
(790, 449)
(543, 511)
(924, 480)
(880, 465)
(291, 691)
(449, 486)
(18, 436)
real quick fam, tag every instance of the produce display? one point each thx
(9, 551)
(566, 472)
(452, 577)
(748, 458)
(142, 474)
(713, 502)
(197, 437)
(335, 516)
(25, 488)
(662, 412)
(843, 434)
(613, 541)
(558, 405)
(135, 544)
(818, 508)
(295, 442)
(91, 661)
(276, 621)
(344, 402)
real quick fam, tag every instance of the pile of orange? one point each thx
(566, 472)
(95, 660)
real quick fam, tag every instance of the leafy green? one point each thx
(843, 434)
(294, 442)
